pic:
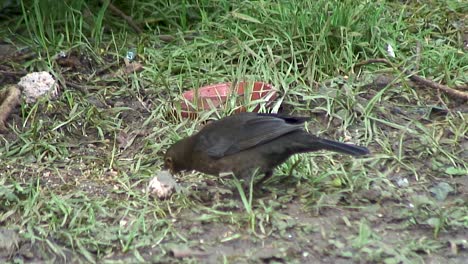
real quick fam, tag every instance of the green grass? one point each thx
(73, 171)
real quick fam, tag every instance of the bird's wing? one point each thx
(246, 132)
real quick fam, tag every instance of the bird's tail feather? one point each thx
(342, 147)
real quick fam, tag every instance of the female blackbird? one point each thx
(245, 142)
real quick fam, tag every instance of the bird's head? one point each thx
(178, 157)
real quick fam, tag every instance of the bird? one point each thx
(248, 143)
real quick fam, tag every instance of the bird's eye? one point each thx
(168, 163)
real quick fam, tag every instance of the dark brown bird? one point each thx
(245, 142)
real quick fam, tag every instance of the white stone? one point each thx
(37, 84)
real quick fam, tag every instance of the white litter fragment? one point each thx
(390, 51)
(162, 185)
(403, 182)
(37, 84)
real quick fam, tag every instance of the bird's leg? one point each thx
(267, 176)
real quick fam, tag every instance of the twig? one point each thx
(9, 99)
(105, 68)
(13, 72)
(461, 87)
(384, 61)
(418, 79)
(442, 87)
(129, 19)
(81, 88)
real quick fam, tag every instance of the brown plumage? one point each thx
(245, 142)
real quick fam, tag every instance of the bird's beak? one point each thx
(168, 163)
(169, 167)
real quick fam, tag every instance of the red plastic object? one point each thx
(219, 95)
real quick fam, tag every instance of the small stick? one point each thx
(13, 72)
(9, 99)
(129, 20)
(442, 87)
(418, 79)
